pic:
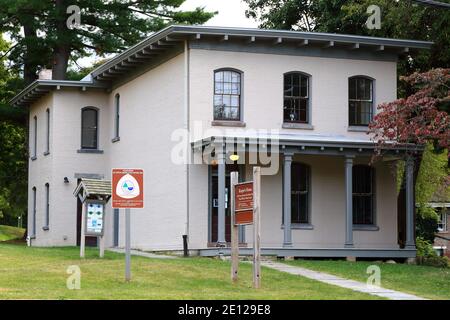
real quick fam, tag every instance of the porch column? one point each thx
(348, 201)
(409, 172)
(221, 197)
(287, 162)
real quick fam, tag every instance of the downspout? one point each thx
(186, 127)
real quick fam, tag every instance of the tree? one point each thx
(43, 39)
(419, 118)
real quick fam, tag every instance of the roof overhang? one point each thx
(39, 88)
(305, 144)
(162, 41)
(172, 38)
(93, 189)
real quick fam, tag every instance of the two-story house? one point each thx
(302, 99)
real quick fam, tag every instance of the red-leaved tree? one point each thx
(421, 117)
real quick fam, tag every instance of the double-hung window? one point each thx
(360, 101)
(296, 97)
(300, 189)
(89, 128)
(227, 95)
(363, 195)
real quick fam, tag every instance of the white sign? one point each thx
(94, 218)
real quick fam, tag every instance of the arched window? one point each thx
(34, 149)
(227, 94)
(363, 194)
(89, 128)
(360, 100)
(117, 116)
(47, 134)
(296, 97)
(300, 192)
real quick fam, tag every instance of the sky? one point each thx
(231, 12)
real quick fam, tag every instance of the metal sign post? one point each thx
(127, 193)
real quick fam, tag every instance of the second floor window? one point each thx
(296, 97)
(360, 103)
(34, 150)
(227, 95)
(89, 126)
(363, 195)
(47, 134)
(117, 116)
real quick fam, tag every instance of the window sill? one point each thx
(358, 128)
(33, 158)
(362, 227)
(89, 151)
(46, 228)
(115, 139)
(292, 125)
(228, 123)
(46, 153)
(300, 226)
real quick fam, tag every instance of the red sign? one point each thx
(243, 193)
(127, 188)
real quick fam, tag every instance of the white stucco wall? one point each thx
(263, 88)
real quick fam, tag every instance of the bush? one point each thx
(426, 255)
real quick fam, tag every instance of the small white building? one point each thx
(307, 98)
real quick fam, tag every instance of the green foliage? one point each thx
(426, 255)
(42, 38)
(432, 175)
(399, 19)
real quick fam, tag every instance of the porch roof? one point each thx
(302, 141)
(89, 188)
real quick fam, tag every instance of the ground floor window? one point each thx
(300, 186)
(442, 221)
(363, 194)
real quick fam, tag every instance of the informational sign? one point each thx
(127, 188)
(95, 214)
(243, 203)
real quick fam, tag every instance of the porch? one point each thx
(318, 220)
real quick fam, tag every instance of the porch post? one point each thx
(221, 197)
(410, 203)
(348, 201)
(287, 162)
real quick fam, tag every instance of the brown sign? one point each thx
(243, 203)
(127, 188)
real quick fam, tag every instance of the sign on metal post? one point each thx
(245, 209)
(127, 193)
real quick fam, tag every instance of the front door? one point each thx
(214, 201)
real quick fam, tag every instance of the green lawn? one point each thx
(10, 233)
(424, 281)
(40, 273)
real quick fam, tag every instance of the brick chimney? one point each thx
(45, 74)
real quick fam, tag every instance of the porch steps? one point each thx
(340, 282)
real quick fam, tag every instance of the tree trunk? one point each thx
(61, 51)
(29, 65)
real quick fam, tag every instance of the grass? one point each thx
(423, 281)
(40, 273)
(10, 233)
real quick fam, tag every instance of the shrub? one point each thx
(426, 255)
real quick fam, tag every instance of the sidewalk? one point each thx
(142, 253)
(341, 282)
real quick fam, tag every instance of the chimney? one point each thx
(45, 74)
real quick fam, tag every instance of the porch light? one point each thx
(234, 157)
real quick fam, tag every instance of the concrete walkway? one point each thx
(142, 253)
(341, 282)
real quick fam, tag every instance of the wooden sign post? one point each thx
(234, 230)
(245, 209)
(256, 227)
